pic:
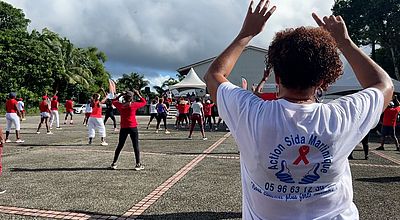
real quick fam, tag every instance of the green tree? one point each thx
(131, 81)
(12, 18)
(374, 23)
(164, 86)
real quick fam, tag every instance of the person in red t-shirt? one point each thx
(12, 117)
(69, 110)
(128, 125)
(44, 114)
(389, 125)
(182, 107)
(96, 119)
(207, 107)
(54, 104)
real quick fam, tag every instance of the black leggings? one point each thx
(110, 115)
(162, 116)
(123, 134)
(208, 121)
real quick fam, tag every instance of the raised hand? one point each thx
(336, 26)
(255, 20)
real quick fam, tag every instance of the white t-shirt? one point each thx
(88, 108)
(20, 105)
(294, 156)
(197, 108)
(153, 109)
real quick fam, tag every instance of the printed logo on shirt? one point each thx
(299, 148)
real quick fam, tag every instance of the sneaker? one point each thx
(216, 129)
(113, 166)
(147, 127)
(115, 129)
(104, 143)
(139, 167)
(90, 141)
(49, 132)
(190, 138)
(380, 148)
(8, 141)
(2, 191)
(51, 128)
(366, 157)
(37, 132)
(204, 138)
(156, 131)
(19, 141)
(167, 132)
(65, 122)
(58, 128)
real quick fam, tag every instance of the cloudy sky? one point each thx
(156, 37)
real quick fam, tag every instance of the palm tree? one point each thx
(132, 81)
(73, 62)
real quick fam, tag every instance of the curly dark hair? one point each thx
(304, 57)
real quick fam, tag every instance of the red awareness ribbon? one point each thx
(303, 151)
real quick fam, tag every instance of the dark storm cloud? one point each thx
(159, 35)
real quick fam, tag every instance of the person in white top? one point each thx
(88, 111)
(197, 116)
(293, 151)
(21, 108)
(153, 112)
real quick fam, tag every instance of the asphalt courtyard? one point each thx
(59, 176)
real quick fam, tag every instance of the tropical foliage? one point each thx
(375, 23)
(35, 63)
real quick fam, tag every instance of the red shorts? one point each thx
(87, 114)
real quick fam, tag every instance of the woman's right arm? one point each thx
(368, 73)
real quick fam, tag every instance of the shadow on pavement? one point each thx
(195, 215)
(16, 169)
(54, 145)
(380, 179)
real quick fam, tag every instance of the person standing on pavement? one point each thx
(54, 104)
(13, 118)
(153, 112)
(69, 111)
(110, 113)
(44, 115)
(293, 151)
(21, 109)
(95, 121)
(389, 125)
(197, 116)
(88, 111)
(128, 125)
(162, 113)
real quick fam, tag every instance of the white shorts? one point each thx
(12, 118)
(44, 115)
(96, 123)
